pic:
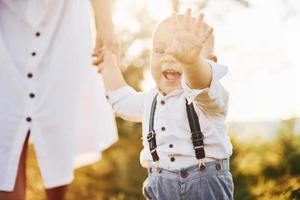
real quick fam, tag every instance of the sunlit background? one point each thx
(259, 41)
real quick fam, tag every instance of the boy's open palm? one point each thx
(189, 37)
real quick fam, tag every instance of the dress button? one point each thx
(29, 75)
(37, 34)
(28, 119)
(162, 102)
(163, 128)
(33, 54)
(31, 95)
(172, 159)
(171, 145)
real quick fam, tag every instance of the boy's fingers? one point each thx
(213, 58)
(98, 51)
(207, 35)
(187, 19)
(178, 23)
(99, 58)
(199, 20)
(97, 54)
(194, 28)
(96, 62)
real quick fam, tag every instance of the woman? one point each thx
(50, 92)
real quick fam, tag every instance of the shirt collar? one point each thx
(171, 94)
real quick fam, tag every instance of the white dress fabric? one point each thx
(173, 136)
(49, 87)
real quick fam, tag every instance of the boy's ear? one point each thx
(213, 58)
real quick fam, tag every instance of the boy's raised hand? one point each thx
(189, 38)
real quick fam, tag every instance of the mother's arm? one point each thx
(104, 24)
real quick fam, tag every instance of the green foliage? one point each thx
(268, 170)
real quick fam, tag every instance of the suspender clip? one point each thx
(157, 166)
(202, 165)
(150, 135)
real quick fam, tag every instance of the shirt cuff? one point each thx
(121, 93)
(218, 72)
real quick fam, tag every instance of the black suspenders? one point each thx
(197, 136)
(196, 133)
(151, 137)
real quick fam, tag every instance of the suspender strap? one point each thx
(197, 136)
(151, 137)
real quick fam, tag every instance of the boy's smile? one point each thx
(171, 71)
(171, 75)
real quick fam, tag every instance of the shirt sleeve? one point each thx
(127, 103)
(214, 99)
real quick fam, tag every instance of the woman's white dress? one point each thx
(48, 86)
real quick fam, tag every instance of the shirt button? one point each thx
(171, 145)
(162, 102)
(29, 75)
(37, 34)
(163, 128)
(28, 119)
(172, 159)
(33, 53)
(31, 95)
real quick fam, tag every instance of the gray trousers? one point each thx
(213, 183)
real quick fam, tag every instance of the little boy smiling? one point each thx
(186, 160)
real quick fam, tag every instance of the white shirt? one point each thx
(49, 87)
(174, 145)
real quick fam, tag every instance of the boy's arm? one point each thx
(111, 73)
(213, 100)
(201, 77)
(126, 102)
(198, 75)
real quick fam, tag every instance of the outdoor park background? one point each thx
(259, 41)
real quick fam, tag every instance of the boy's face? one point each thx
(165, 70)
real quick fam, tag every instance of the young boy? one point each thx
(186, 147)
